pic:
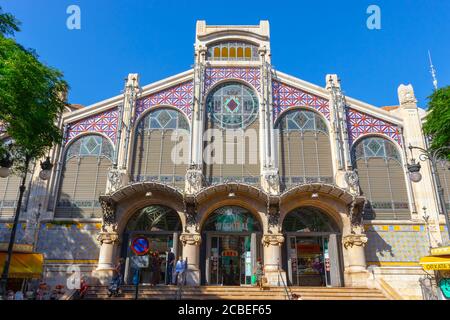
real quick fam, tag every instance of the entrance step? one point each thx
(237, 293)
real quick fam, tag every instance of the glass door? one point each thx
(230, 259)
(308, 260)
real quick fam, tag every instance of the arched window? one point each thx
(231, 150)
(155, 218)
(84, 177)
(304, 152)
(308, 219)
(231, 219)
(233, 51)
(158, 149)
(381, 178)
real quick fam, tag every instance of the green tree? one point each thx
(31, 100)
(437, 124)
(31, 96)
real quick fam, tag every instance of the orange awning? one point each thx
(24, 265)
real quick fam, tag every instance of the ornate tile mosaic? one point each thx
(179, 96)
(285, 96)
(105, 122)
(249, 75)
(360, 123)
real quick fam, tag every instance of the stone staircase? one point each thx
(236, 293)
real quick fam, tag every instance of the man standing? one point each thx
(170, 264)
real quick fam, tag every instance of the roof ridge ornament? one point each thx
(406, 95)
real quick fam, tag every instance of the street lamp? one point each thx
(46, 171)
(6, 163)
(415, 176)
(5, 166)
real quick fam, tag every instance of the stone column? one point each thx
(355, 274)
(194, 175)
(109, 240)
(423, 190)
(270, 181)
(107, 257)
(191, 251)
(272, 259)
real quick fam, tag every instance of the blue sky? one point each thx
(308, 40)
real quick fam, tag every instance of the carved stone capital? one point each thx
(352, 179)
(109, 214)
(272, 240)
(116, 179)
(273, 212)
(190, 210)
(271, 179)
(194, 178)
(351, 240)
(108, 237)
(192, 239)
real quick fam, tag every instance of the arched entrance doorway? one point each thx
(232, 246)
(312, 251)
(161, 226)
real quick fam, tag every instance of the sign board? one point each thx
(441, 251)
(140, 261)
(140, 246)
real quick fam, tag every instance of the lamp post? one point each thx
(414, 174)
(5, 166)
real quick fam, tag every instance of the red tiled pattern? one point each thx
(249, 75)
(285, 96)
(179, 96)
(104, 122)
(360, 123)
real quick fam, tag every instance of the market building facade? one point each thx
(231, 163)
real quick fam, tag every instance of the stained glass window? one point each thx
(376, 147)
(232, 106)
(234, 51)
(164, 119)
(302, 120)
(90, 145)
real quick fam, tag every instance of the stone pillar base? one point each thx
(275, 278)
(192, 277)
(103, 276)
(356, 278)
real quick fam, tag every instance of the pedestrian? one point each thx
(18, 295)
(259, 272)
(83, 288)
(180, 268)
(156, 268)
(170, 265)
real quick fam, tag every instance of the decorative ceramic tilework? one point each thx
(74, 242)
(396, 243)
(360, 123)
(105, 122)
(179, 96)
(250, 75)
(285, 96)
